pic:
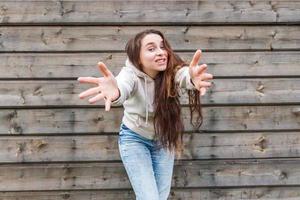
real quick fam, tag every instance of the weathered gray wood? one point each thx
(104, 148)
(44, 176)
(150, 12)
(186, 174)
(256, 193)
(223, 91)
(220, 64)
(96, 120)
(114, 38)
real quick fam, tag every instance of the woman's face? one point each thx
(153, 55)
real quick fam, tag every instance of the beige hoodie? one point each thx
(137, 96)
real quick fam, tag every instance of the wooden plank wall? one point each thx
(55, 146)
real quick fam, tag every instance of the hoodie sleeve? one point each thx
(183, 78)
(126, 84)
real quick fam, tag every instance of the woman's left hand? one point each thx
(198, 74)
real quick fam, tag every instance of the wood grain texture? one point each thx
(96, 120)
(223, 91)
(187, 174)
(105, 147)
(73, 65)
(255, 193)
(150, 12)
(55, 146)
(114, 38)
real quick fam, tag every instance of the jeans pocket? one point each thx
(124, 134)
(124, 127)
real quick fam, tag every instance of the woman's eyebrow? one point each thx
(152, 43)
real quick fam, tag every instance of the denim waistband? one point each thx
(125, 130)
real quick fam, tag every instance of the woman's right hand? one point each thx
(106, 89)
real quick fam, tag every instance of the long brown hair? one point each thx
(168, 124)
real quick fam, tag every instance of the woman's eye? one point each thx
(151, 49)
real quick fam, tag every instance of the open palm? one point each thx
(106, 88)
(198, 73)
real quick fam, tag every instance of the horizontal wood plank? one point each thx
(105, 147)
(187, 174)
(96, 120)
(154, 12)
(256, 193)
(223, 91)
(114, 38)
(220, 64)
(34, 138)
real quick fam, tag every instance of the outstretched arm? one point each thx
(194, 76)
(198, 73)
(106, 87)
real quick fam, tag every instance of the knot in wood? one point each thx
(260, 144)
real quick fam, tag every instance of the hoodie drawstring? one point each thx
(146, 97)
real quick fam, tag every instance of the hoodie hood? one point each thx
(138, 72)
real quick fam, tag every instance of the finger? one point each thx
(201, 69)
(202, 91)
(104, 70)
(96, 98)
(107, 104)
(205, 84)
(92, 80)
(89, 92)
(196, 58)
(207, 76)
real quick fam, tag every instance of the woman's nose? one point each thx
(159, 51)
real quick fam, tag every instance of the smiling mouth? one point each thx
(161, 61)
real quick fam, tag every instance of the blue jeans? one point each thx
(148, 167)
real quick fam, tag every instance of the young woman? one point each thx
(152, 129)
